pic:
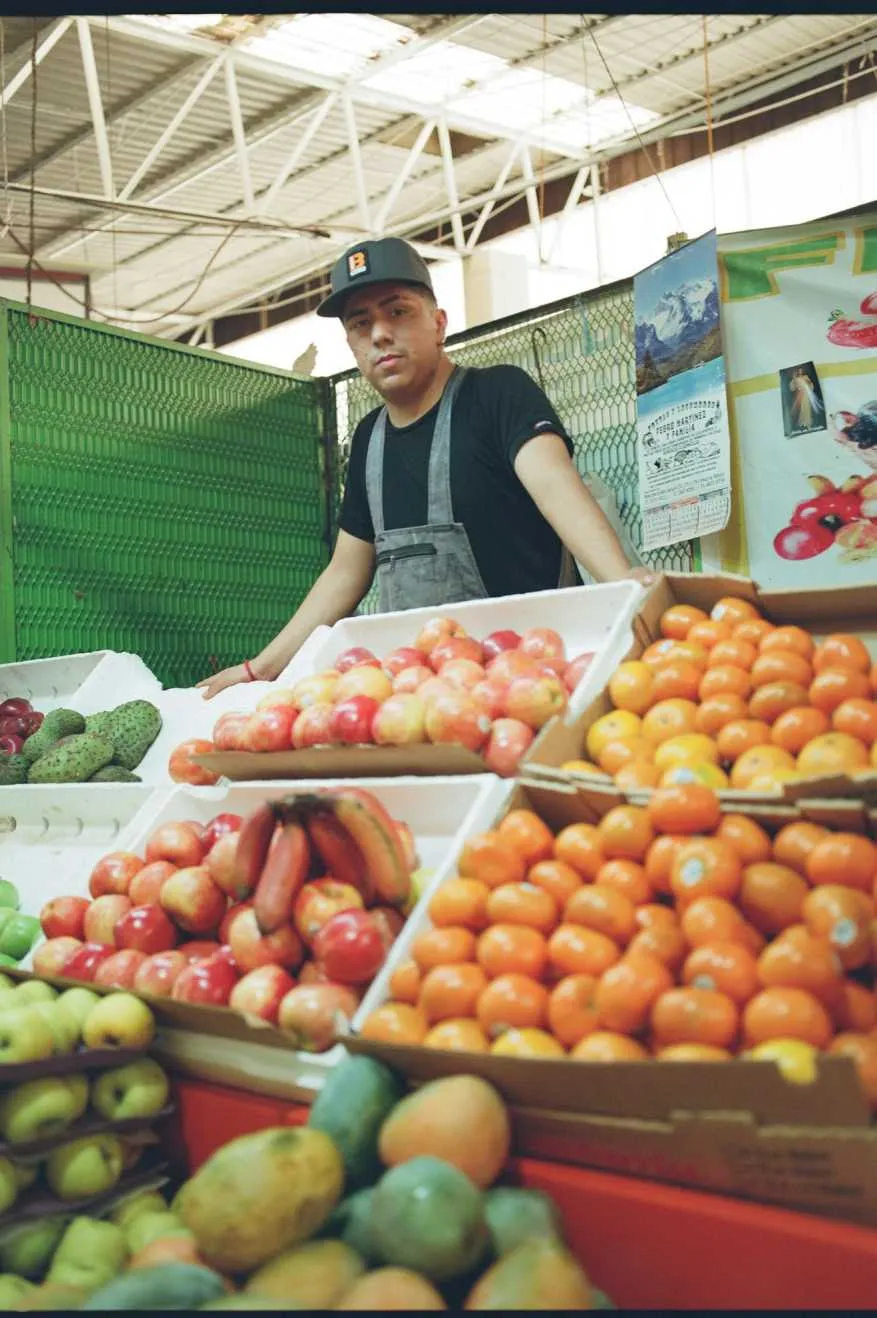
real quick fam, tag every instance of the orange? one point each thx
(693, 1052)
(527, 1043)
(705, 867)
(524, 904)
(627, 877)
(801, 959)
(684, 809)
(834, 686)
(833, 752)
(659, 861)
(771, 896)
(491, 859)
(628, 990)
(842, 649)
(725, 679)
(639, 773)
(688, 653)
(449, 992)
(709, 633)
(748, 839)
(733, 739)
(780, 666)
(857, 1009)
(405, 983)
(631, 686)
(614, 755)
(669, 718)
(572, 1010)
(793, 729)
(655, 916)
(677, 621)
(793, 844)
(786, 1013)
(758, 761)
(619, 725)
(656, 654)
(626, 832)
(443, 947)
(857, 718)
(457, 1036)
(707, 775)
(729, 609)
(740, 654)
(753, 631)
(710, 920)
(605, 1046)
(583, 766)
(862, 1049)
(554, 877)
(719, 710)
(605, 910)
(790, 640)
(694, 1015)
(773, 699)
(529, 836)
(395, 1022)
(843, 858)
(843, 916)
(676, 680)
(580, 846)
(872, 678)
(461, 902)
(512, 1002)
(728, 968)
(666, 942)
(508, 949)
(690, 748)
(575, 950)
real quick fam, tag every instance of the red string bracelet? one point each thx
(251, 676)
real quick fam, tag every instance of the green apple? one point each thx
(139, 1089)
(8, 960)
(85, 1167)
(144, 1201)
(90, 1254)
(9, 895)
(13, 1290)
(75, 1004)
(148, 1227)
(64, 1032)
(120, 1020)
(8, 997)
(24, 1036)
(8, 1185)
(6, 982)
(40, 1108)
(6, 914)
(27, 1248)
(35, 990)
(25, 1174)
(18, 935)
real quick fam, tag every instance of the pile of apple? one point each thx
(18, 721)
(172, 924)
(490, 696)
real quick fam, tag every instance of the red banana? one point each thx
(338, 851)
(254, 842)
(375, 834)
(284, 874)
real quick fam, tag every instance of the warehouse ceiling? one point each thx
(194, 165)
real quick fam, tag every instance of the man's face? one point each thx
(395, 332)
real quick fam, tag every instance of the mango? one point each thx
(388, 1289)
(315, 1275)
(540, 1274)
(428, 1216)
(460, 1119)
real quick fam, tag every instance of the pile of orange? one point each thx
(730, 699)
(671, 931)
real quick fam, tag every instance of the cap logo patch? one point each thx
(357, 264)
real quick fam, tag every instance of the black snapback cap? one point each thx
(378, 261)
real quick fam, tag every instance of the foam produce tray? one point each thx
(87, 683)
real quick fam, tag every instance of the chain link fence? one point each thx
(581, 351)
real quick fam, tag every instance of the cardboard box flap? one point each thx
(344, 762)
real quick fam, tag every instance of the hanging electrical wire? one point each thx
(33, 158)
(7, 201)
(709, 115)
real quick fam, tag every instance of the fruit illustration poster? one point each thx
(682, 423)
(799, 318)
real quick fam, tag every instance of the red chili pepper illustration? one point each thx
(847, 333)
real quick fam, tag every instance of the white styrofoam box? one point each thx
(87, 683)
(50, 840)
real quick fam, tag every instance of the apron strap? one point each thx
(374, 471)
(440, 511)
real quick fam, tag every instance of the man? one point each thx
(461, 486)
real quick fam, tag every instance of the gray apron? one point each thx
(425, 566)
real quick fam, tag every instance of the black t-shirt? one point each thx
(496, 411)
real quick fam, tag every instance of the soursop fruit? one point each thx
(13, 770)
(60, 723)
(101, 723)
(114, 773)
(74, 762)
(133, 728)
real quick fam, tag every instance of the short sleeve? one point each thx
(517, 409)
(355, 517)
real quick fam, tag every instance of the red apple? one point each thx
(182, 767)
(193, 901)
(113, 873)
(365, 681)
(352, 719)
(220, 826)
(228, 731)
(496, 642)
(269, 729)
(411, 679)
(102, 916)
(311, 728)
(13, 706)
(350, 947)
(251, 949)
(457, 719)
(462, 674)
(456, 647)
(398, 660)
(318, 901)
(490, 697)
(120, 970)
(64, 917)
(180, 843)
(542, 643)
(147, 885)
(509, 739)
(10, 744)
(315, 1014)
(576, 669)
(503, 670)
(85, 960)
(220, 864)
(356, 657)
(555, 667)
(231, 913)
(431, 690)
(208, 982)
(261, 992)
(435, 631)
(399, 721)
(313, 973)
(146, 928)
(534, 700)
(317, 689)
(280, 699)
(199, 949)
(157, 974)
(388, 922)
(51, 956)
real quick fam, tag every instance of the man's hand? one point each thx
(211, 686)
(644, 575)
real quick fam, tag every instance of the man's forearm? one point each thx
(596, 546)
(333, 596)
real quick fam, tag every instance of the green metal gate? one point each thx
(153, 498)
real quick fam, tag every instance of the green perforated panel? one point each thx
(165, 501)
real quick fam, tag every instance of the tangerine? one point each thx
(801, 959)
(639, 773)
(572, 1009)
(656, 654)
(676, 680)
(749, 840)
(862, 1050)
(796, 727)
(705, 867)
(758, 762)
(524, 904)
(449, 992)
(605, 1046)
(709, 633)
(614, 755)
(627, 877)
(575, 950)
(711, 920)
(627, 991)
(752, 631)
(725, 679)
(707, 775)
(771, 896)
(843, 916)
(616, 726)
(580, 846)
(833, 686)
(857, 1008)
(690, 748)
(583, 766)
(457, 1035)
(793, 844)
(688, 808)
(626, 832)
(460, 902)
(842, 649)
(508, 949)
(669, 718)
(659, 861)
(605, 910)
(728, 968)
(693, 1052)
(786, 1013)
(666, 942)
(687, 652)
(556, 878)
(527, 1043)
(781, 666)
(847, 859)
(857, 718)
(405, 983)
(769, 701)
(788, 639)
(511, 1002)
(695, 1015)
(443, 947)
(395, 1022)
(631, 686)
(528, 835)
(738, 653)
(655, 916)
(718, 711)
(677, 621)
(733, 739)
(491, 859)
(833, 752)
(733, 610)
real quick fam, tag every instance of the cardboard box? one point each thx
(843, 609)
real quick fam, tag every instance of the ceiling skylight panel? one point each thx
(436, 74)
(523, 98)
(334, 45)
